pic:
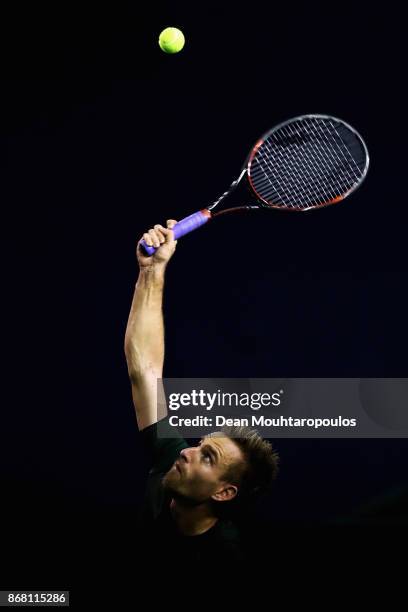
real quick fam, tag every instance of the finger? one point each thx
(155, 237)
(171, 223)
(147, 238)
(160, 231)
(167, 232)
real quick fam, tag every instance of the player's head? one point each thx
(225, 466)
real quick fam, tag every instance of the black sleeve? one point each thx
(164, 444)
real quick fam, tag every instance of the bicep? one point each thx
(148, 399)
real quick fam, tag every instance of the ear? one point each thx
(225, 494)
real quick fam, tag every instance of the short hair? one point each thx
(260, 467)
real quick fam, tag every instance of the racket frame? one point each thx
(248, 162)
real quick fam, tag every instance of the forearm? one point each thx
(144, 338)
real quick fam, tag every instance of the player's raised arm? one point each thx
(144, 338)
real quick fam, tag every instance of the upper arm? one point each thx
(148, 398)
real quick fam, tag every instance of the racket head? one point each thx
(309, 161)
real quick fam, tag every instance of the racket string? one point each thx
(341, 175)
(318, 162)
(313, 164)
(358, 175)
(283, 175)
(306, 188)
(310, 188)
(306, 160)
(287, 196)
(308, 166)
(331, 150)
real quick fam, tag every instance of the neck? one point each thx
(192, 520)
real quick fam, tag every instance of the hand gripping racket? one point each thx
(306, 162)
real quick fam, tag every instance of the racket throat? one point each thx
(231, 188)
(235, 209)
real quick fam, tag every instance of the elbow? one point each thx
(140, 366)
(133, 354)
(139, 375)
(128, 347)
(132, 359)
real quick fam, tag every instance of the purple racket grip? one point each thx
(186, 225)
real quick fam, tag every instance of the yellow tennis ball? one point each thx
(171, 40)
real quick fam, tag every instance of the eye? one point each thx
(207, 457)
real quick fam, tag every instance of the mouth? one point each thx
(177, 466)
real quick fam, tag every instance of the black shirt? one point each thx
(221, 543)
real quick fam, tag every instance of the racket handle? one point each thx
(185, 226)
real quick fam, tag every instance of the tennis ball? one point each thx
(171, 40)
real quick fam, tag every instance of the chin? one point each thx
(169, 481)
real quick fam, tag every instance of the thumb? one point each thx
(171, 223)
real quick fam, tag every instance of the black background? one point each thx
(102, 136)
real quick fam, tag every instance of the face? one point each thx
(198, 474)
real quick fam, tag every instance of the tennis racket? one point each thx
(306, 162)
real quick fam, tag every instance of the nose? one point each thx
(186, 454)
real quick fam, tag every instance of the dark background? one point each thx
(102, 136)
